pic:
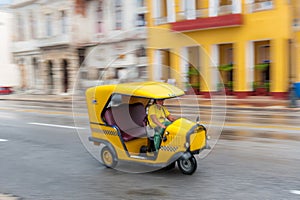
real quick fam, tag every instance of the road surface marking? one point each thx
(3, 140)
(295, 191)
(45, 112)
(55, 125)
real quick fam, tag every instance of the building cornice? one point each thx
(22, 3)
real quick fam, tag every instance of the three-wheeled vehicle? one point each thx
(118, 120)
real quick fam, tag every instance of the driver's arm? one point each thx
(171, 118)
(156, 121)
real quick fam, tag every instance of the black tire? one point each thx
(108, 157)
(187, 166)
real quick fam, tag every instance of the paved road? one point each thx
(42, 157)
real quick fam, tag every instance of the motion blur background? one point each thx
(245, 47)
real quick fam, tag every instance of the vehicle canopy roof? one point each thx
(98, 96)
(153, 90)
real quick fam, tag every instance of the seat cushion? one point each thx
(129, 118)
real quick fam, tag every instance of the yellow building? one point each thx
(249, 45)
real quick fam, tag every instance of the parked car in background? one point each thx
(5, 90)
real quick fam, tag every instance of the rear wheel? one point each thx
(108, 158)
(187, 166)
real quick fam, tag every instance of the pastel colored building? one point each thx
(53, 40)
(247, 46)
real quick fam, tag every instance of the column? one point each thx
(240, 79)
(73, 70)
(57, 79)
(205, 70)
(279, 68)
(44, 75)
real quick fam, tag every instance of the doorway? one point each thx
(65, 76)
(50, 76)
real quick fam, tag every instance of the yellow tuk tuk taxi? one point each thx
(118, 120)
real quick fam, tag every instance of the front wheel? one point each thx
(108, 158)
(187, 166)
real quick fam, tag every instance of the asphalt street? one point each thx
(43, 157)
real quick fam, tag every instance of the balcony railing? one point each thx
(296, 24)
(225, 10)
(29, 45)
(142, 10)
(201, 13)
(160, 20)
(55, 40)
(255, 7)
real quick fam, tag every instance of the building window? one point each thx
(264, 54)
(225, 2)
(33, 27)
(63, 17)
(141, 20)
(141, 51)
(20, 28)
(143, 72)
(225, 7)
(48, 25)
(118, 13)
(141, 3)
(160, 11)
(100, 17)
(190, 7)
(259, 5)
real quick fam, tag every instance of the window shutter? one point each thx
(249, 1)
(182, 5)
(155, 8)
(190, 9)
(236, 6)
(213, 8)
(171, 11)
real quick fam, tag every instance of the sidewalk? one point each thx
(259, 104)
(253, 102)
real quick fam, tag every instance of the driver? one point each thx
(159, 118)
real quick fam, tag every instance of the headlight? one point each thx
(187, 145)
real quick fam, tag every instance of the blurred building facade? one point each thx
(54, 38)
(8, 71)
(43, 45)
(250, 43)
(113, 37)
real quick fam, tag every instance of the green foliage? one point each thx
(195, 85)
(226, 68)
(262, 66)
(193, 71)
(257, 85)
(229, 85)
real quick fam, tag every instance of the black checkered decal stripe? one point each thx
(169, 148)
(106, 132)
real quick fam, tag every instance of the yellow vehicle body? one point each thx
(112, 124)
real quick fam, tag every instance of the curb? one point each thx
(236, 135)
(231, 104)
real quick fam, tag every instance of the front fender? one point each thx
(186, 155)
